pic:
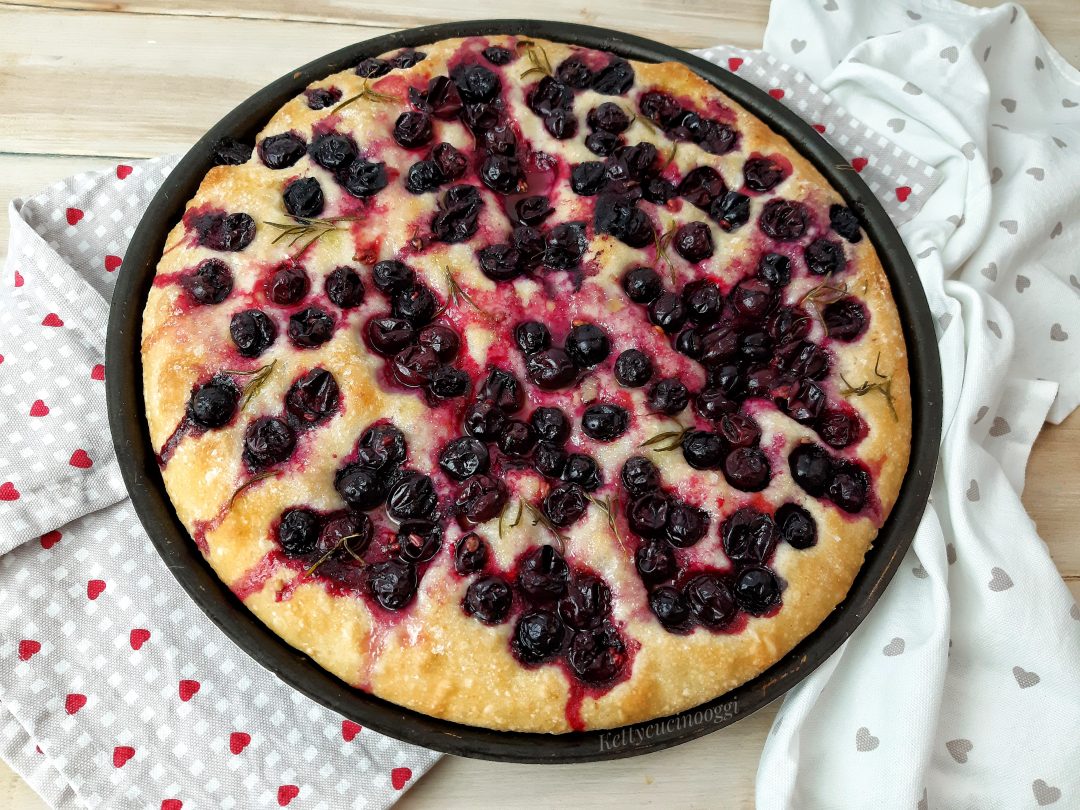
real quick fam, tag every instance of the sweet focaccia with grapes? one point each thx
(525, 386)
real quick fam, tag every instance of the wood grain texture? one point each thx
(683, 23)
(142, 78)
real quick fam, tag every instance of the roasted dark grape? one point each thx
(655, 562)
(710, 600)
(550, 424)
(532, 337)
(390, 276)
(489, 599)
(463, 458)
(252, 331)
(648, 513)
(268, 441)
(470, 554)
(587, 602)
(748, 535)
(582, 469)
(210, 282)
(388, 336)
(639, 475)
(604, 421)
(214, 403)
(412, 497)
(392, 583)
(298, 532)
(281, 151)
(303, 198)
(543, 574)
(588, 345)
(344, 288)
(702, 450)
(565, 504)
(551, 369)
(633, 368)
(642, 285)
(538, 637)
(481, 498)
(796, 526)
(313, 396)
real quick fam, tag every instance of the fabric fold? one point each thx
(959, 689)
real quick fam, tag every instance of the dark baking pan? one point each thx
(144, 482)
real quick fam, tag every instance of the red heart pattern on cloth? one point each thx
(286, 793)
(74, 215)
(859, 163)
(112, 657)
(399, 776)
(74, 702)
(902, 193)
(820, 128)
(777, 93)
(238, 741)
(349, 730)
(734, 63)
(138, 637)
(121, 755)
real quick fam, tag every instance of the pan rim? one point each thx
(143, 480)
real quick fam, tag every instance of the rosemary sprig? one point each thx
(538, 58)
(607, 506)
(662, 241)
(671, 157)
(823, 293)
(366, 94)
(343, 543)
(538, 517)
(455, 293)
(251, 481)
(254, 385)
(671, 439)
(884, 385)
(302, 227)
(645, 122)
(502, 515)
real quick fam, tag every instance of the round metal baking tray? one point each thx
(148, 495)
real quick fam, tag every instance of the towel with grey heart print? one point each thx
(960, 689)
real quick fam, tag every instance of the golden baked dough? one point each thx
(232, 483)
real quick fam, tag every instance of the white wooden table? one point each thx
(88, 83)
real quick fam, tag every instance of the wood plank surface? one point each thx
(87, 83)
(683, 23)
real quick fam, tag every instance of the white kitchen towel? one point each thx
(962, 688)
